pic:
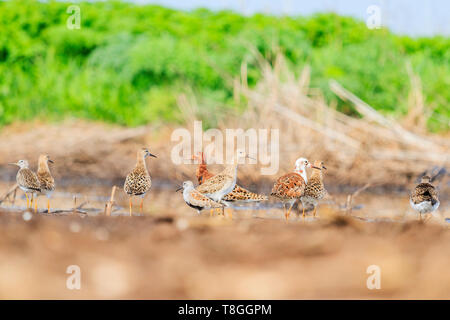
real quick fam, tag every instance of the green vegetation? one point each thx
(128, 63)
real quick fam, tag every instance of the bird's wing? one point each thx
(28, 179)
(213, 184)
(434, 195)
(46, 181)
(200, 200)
(315, 188)
(137, 182)
(242, 194)
(423, 192)
(289, 186)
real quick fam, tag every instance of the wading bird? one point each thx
(46, 180)
(27, 181)
(195, 199)
(237, 194)
(138, 181)
(314, 190)
(291, 186)
(224, 182)
(424, 198)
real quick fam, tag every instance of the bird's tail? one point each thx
(241, 194)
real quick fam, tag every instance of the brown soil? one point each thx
(170, 252)
(178, 257)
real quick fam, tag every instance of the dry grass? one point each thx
(372, 149)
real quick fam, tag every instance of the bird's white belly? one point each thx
(424, 207)
(26, 190)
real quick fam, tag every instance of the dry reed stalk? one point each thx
(310, 126)
(110, 203)
(11, 191)
(74, 210)
(369, 112)
(350, 197)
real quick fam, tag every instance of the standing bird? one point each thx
(424, 198)
(45, 178)
(195, 199)
(237, 194)
(224, 182)
(27, 181)
(291, 186)
(314, 190)
(138, 181)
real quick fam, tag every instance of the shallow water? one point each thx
(367, 206)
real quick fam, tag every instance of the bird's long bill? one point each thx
(314, 167)
(13, 164)
(178, 189)
(151, 155)
(323, 167)
(51, 161)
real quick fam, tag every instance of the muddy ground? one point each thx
(170, 257)
(169, 252)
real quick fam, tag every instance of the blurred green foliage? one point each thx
(128, 63)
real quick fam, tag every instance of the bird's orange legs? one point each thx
(131, 207)
(48, 205)
(28, 200)
(141, 207)
(288, 213)
(35, 202)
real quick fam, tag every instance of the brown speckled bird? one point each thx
(291, 186)
(195, 199)
(46, 180)
(314, 190)
(237, 194)
(224, 182)
(424, 198)
(138, 181)
(27, 181)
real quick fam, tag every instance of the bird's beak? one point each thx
(324, 167)
(51, 161)
(179, 188)
(151, 155)
(314, 167)
(13, 164)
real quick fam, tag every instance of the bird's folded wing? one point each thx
(213, 184)
(200, 200)
(28, 179)
(290, 185)
(242, 194)
(423, 192)
(46, 181)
